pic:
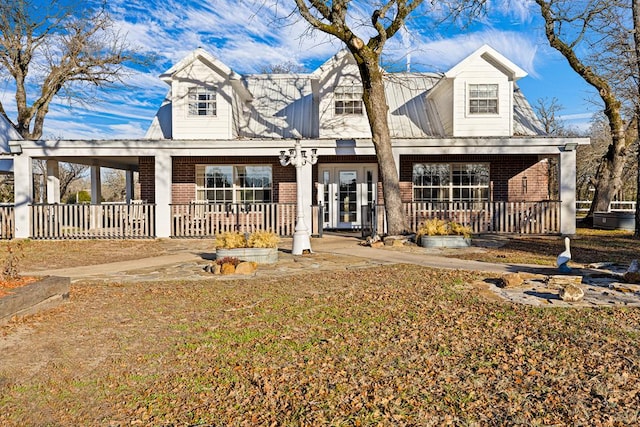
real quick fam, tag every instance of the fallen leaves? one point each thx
(6, 286)
(400, 345)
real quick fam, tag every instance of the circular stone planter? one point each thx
(445, 242)
(42, 294)
(259, 255)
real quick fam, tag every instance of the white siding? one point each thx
(442, 97)
(201, 127)
(340, 126)
(465, 124)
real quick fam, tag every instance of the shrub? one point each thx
(441, 227)
(81, 196)
(263, 239)
(257, 239)
(231, 241)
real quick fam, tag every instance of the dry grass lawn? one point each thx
(393, 346)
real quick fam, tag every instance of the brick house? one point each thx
(464, 139)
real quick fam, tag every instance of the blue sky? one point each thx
(246, 35)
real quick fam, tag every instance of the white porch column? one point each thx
(96, 198)
(567, 182)
(128, 183)
(96, 185)
(53, 181)
(163, 173)
(23, 191)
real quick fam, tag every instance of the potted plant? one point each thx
(259, 246)
(440, 233)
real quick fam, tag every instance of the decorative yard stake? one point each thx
(564, 258)
(298, 158)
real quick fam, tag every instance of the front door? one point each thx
(343, 190)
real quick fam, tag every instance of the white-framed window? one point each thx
(234, 183)
(202, 101)
(483, 99)
(348, 100)
(450, 182)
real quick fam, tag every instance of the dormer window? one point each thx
(202, 101)
(483, 99)
(348, 100)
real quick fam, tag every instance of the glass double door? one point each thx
(343, 190)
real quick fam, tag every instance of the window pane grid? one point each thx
(348, 100)
(483, 99)
(234, 184)
(202, 101)
(442, 182)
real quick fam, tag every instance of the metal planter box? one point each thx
(614, 220)
(259, 255)
(445, 242)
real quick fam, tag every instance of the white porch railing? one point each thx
(84, 221)
(7, 221)
(209, 219)
(482, 217)
(121, 221)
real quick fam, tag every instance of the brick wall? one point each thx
(184, 174)
(183, 192)
(514, 178)
(507, 174)
(287, 192)
(146, 176)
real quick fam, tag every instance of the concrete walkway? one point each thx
(334, 252)
(186, 260)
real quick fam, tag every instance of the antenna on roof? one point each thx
(408, 62)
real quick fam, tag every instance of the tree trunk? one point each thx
(635, 8)
(376, 106)
(609, 175)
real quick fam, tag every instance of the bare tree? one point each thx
(55, 47)
(386, 19)
(594, 26)
(68, 174)
(283, 68)
(114, 187)
(547, 111)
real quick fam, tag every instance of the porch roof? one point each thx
(123, 153)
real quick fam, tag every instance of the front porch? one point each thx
(174, 201)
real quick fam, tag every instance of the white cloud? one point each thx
(440, 54)
(249, 34)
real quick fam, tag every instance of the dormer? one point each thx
(476, 96)
(338, 88)
(207, 98)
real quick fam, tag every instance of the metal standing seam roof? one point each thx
(281, 104)
(284, 102)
